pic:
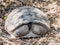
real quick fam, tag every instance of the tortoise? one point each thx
(26, 22)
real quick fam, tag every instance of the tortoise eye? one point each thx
(38, 29)
(23, 30)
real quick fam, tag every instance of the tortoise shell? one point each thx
(26, 22)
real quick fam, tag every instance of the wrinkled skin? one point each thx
(37, 29)
(27, 22)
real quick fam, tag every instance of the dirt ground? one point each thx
(49, 7)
